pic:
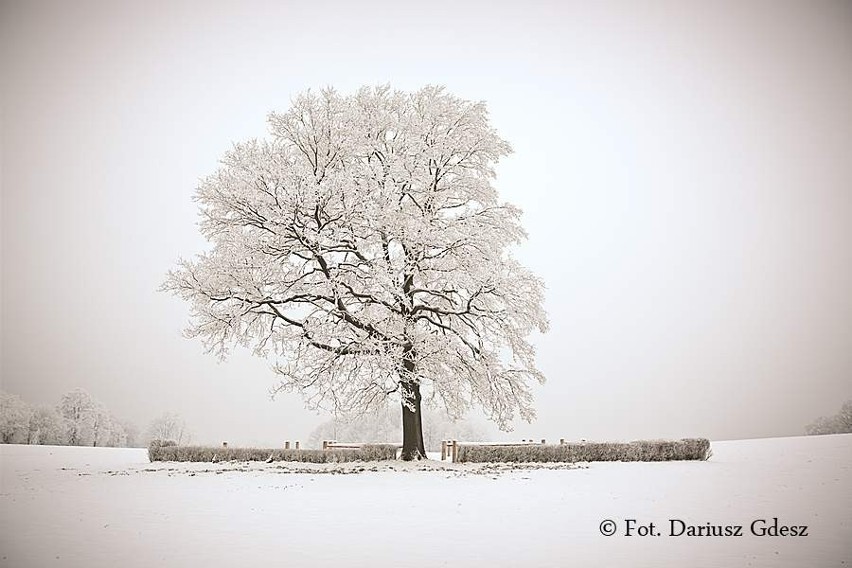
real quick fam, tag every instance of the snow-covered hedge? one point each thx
(643, 450)
(369, 452)
(155, 445)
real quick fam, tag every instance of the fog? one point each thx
(684, 170)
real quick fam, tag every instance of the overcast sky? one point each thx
(685, 170)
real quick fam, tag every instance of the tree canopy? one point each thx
(363, 250)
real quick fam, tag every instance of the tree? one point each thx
(80, 413)
(101, 424)
(845, 416)
(840, 423)
(46, 427)
(14, 419)
(115, 435)
(363, 249)
(168, 426)
(131, 434)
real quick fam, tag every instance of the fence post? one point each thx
(561, 441)
(455, 451)
(297, 444)
(543, 442)
(287, 445)
(443, 450)
(224, 444)
(325, 444)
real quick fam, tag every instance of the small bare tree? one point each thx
(364, 250)
(168, 426)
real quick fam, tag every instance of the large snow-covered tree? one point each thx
(46, 427)
(14, 418)
(88, 422)
(80, 413)
(364, 249)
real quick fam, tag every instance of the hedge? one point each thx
(368, 452)
(643, 450)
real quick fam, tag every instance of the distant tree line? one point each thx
(840, 423)
(80, 420)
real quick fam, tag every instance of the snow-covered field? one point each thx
(92, 507)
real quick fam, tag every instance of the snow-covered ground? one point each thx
(92, 507)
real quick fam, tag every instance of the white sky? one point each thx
(685, 171)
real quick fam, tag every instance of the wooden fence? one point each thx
(335, 445)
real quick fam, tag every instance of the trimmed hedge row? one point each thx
(369, 452)
(642, 450)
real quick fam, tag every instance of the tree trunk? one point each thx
(412, 427)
